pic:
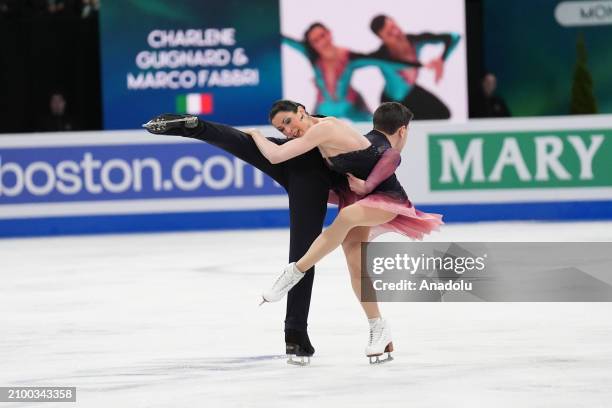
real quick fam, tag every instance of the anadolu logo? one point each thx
(584, 13)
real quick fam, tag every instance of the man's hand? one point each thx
(357, 185)
(438, 66)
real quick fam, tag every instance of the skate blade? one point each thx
(160, 125)
(302, 362)
(375, 360)
(150, 124)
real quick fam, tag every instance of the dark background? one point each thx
(42, 53)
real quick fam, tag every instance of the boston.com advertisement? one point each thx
(483, 170)
(98, 173)
(94, 182)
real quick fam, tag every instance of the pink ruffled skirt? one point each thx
(409, 221)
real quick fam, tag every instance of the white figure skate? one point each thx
(288, 279)
(380, 341)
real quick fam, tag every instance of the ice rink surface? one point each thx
(171, 320)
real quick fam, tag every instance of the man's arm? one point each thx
(379, 60)
(449, 40)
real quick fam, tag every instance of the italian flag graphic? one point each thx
(194, 104)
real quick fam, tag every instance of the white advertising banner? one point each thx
(541, 168)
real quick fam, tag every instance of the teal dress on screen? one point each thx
(396, 86)
(344, 101)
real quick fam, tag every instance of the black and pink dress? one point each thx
(376, 165)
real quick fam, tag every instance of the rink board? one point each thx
(130, 181)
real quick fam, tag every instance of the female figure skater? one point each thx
(375, 203)
(333, 68)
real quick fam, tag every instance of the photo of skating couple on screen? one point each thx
(399, 60)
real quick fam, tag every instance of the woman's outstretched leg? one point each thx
(349, 217)
(352, 251)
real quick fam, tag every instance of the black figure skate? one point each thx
(164, 123)
(297, 345)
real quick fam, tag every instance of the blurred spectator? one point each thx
(62, 7)
(90, 8)
(57, 120)
(36, 8)
(55, 6)
(492, 105)
(10, 8)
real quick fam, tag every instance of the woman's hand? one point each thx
(356, 185)
(253, 132)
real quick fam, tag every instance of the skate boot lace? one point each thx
(375, 333)
(280, 278)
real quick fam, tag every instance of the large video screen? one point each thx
(550, 57)
(343, 57)
(229, 61)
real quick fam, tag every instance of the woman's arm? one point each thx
(295, 147)
(358, 61)
(296, 45)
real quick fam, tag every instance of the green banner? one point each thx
(493, 160)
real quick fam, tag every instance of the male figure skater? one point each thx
(401, 85)
(307, 181)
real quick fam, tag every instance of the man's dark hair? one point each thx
(313, 55)
(391, 116)
(284, 105)
(377, 23)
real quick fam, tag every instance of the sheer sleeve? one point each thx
(333, 198)
(384, 168)
(449, 41)
(299, 46)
